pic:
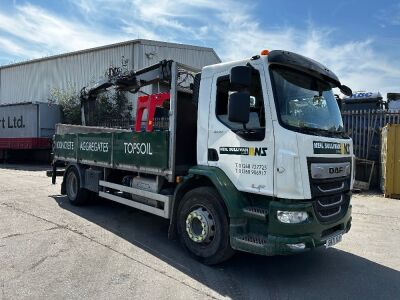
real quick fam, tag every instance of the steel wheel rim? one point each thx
(200, 225)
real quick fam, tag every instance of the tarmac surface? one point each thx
(52, 250)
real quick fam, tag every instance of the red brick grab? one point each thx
(149, 102)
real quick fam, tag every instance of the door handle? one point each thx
(212, 154)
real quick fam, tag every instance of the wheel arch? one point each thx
(233, 200)
(81, 172)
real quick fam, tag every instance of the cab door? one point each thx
(246, 155)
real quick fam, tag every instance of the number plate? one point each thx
(333, 241)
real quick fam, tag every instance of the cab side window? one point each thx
(255, 129)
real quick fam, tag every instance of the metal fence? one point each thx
(160, 123)
(364, 126)
(124, 123)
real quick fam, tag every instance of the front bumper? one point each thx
(271, 237)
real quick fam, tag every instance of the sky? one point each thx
(358, 40)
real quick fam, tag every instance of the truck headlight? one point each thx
(299, 246)
(292, 217)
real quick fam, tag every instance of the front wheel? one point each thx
(203, 226)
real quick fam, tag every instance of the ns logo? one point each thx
(258, 151)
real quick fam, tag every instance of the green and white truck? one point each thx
(251, 155)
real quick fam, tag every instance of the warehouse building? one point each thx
(27, 123)
(32, 81)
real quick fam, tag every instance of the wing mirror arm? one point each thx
(345, 90)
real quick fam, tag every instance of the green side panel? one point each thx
(95, 147)
(65, 146)
(143, 149)
(124, 149)
(233, 198)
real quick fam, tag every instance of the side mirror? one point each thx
(239, 107)
(346, 90)
(240, 77)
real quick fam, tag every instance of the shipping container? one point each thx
(390, 160)
(28, 125)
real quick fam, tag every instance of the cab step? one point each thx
(254, 212)
(251, 240)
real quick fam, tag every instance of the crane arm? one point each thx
(132, 81)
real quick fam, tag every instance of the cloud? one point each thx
(85, 6)
(228, 26)
(9, 46)
(389, 15)
(32, 32)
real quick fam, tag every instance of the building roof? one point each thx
(136, 41)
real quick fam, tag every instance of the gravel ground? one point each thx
(50, 249)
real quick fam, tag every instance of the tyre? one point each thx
(203, 226)
(76, 195)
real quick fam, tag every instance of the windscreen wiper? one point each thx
(323, 131)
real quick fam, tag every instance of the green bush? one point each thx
(69, 102)
(110, 105)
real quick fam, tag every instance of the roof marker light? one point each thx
(264, 52)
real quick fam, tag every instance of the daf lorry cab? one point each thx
(256, 159)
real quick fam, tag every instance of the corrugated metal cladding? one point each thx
(33, 81)
(152, 53)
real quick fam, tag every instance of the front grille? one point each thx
(330, 201)
(331, 208)
(331, 197)
(326, 186)
(323, 187)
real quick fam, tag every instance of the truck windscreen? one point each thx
(305, 102)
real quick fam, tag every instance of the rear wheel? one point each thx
(203, 226)
(76, 195)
